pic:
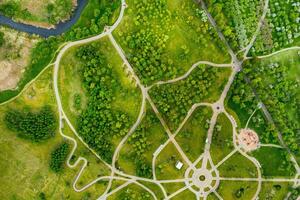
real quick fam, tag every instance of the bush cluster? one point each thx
(34, 126)
(59, 157)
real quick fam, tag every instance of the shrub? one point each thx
(58, 157)
(34, 126)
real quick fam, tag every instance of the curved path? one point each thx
(218, 107)
(60, 28)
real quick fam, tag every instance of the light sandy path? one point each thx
(218, 107)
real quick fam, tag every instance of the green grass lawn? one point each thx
(273, 191)
(150, 134)
(172, 187)
(154, 188)
(212, 196)
(69, 84)
(32, 12)
(238, 166)
(222, 142)
(166, 161)
(232, 190)
(186, 194)
(193, 134)
(131, 191)
(274, 162)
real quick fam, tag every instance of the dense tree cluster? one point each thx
(278, 92)
(99, 16)
(149, 34)
(58, 10)
(147, 47)
(100, 123)
(1, 38)
(295, 193)
(281, 28)
(10, 8)
(44, 51)
(241, 96)
(34, 126)
(42, 196)
(174, 100)
(237, 21)
(58, 157)
(281, 96)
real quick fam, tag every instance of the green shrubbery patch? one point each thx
(34, 126)
(58, 157)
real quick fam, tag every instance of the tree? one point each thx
(58, 157)
(34, 126)
(1, 39)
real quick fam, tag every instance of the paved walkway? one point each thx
(206, 177)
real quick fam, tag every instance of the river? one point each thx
(43, 32)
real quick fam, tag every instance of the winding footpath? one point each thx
(218, 107)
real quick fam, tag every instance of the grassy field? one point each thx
(273, 191)
(70, 84)
(166, 161)
(212, 196)
(238, 166)
(193, 134)
(222, 142)
(237, 190)
(274, 162)
(131, 191)
(186, 194)
(172, 187)
(150, 134)
(26, 168)
(155, 188)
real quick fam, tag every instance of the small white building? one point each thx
(179, 165)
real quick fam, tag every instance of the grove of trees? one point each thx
(99, 123)
(281, 27)
(30, 125)
(278, 92)
(174, 100)
(1, 39)
(58, 157)
(93, 19)
(155, 44)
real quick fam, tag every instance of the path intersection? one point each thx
(202, 176)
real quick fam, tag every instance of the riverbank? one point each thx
(60, 28)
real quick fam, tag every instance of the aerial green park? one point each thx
(150, 100)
